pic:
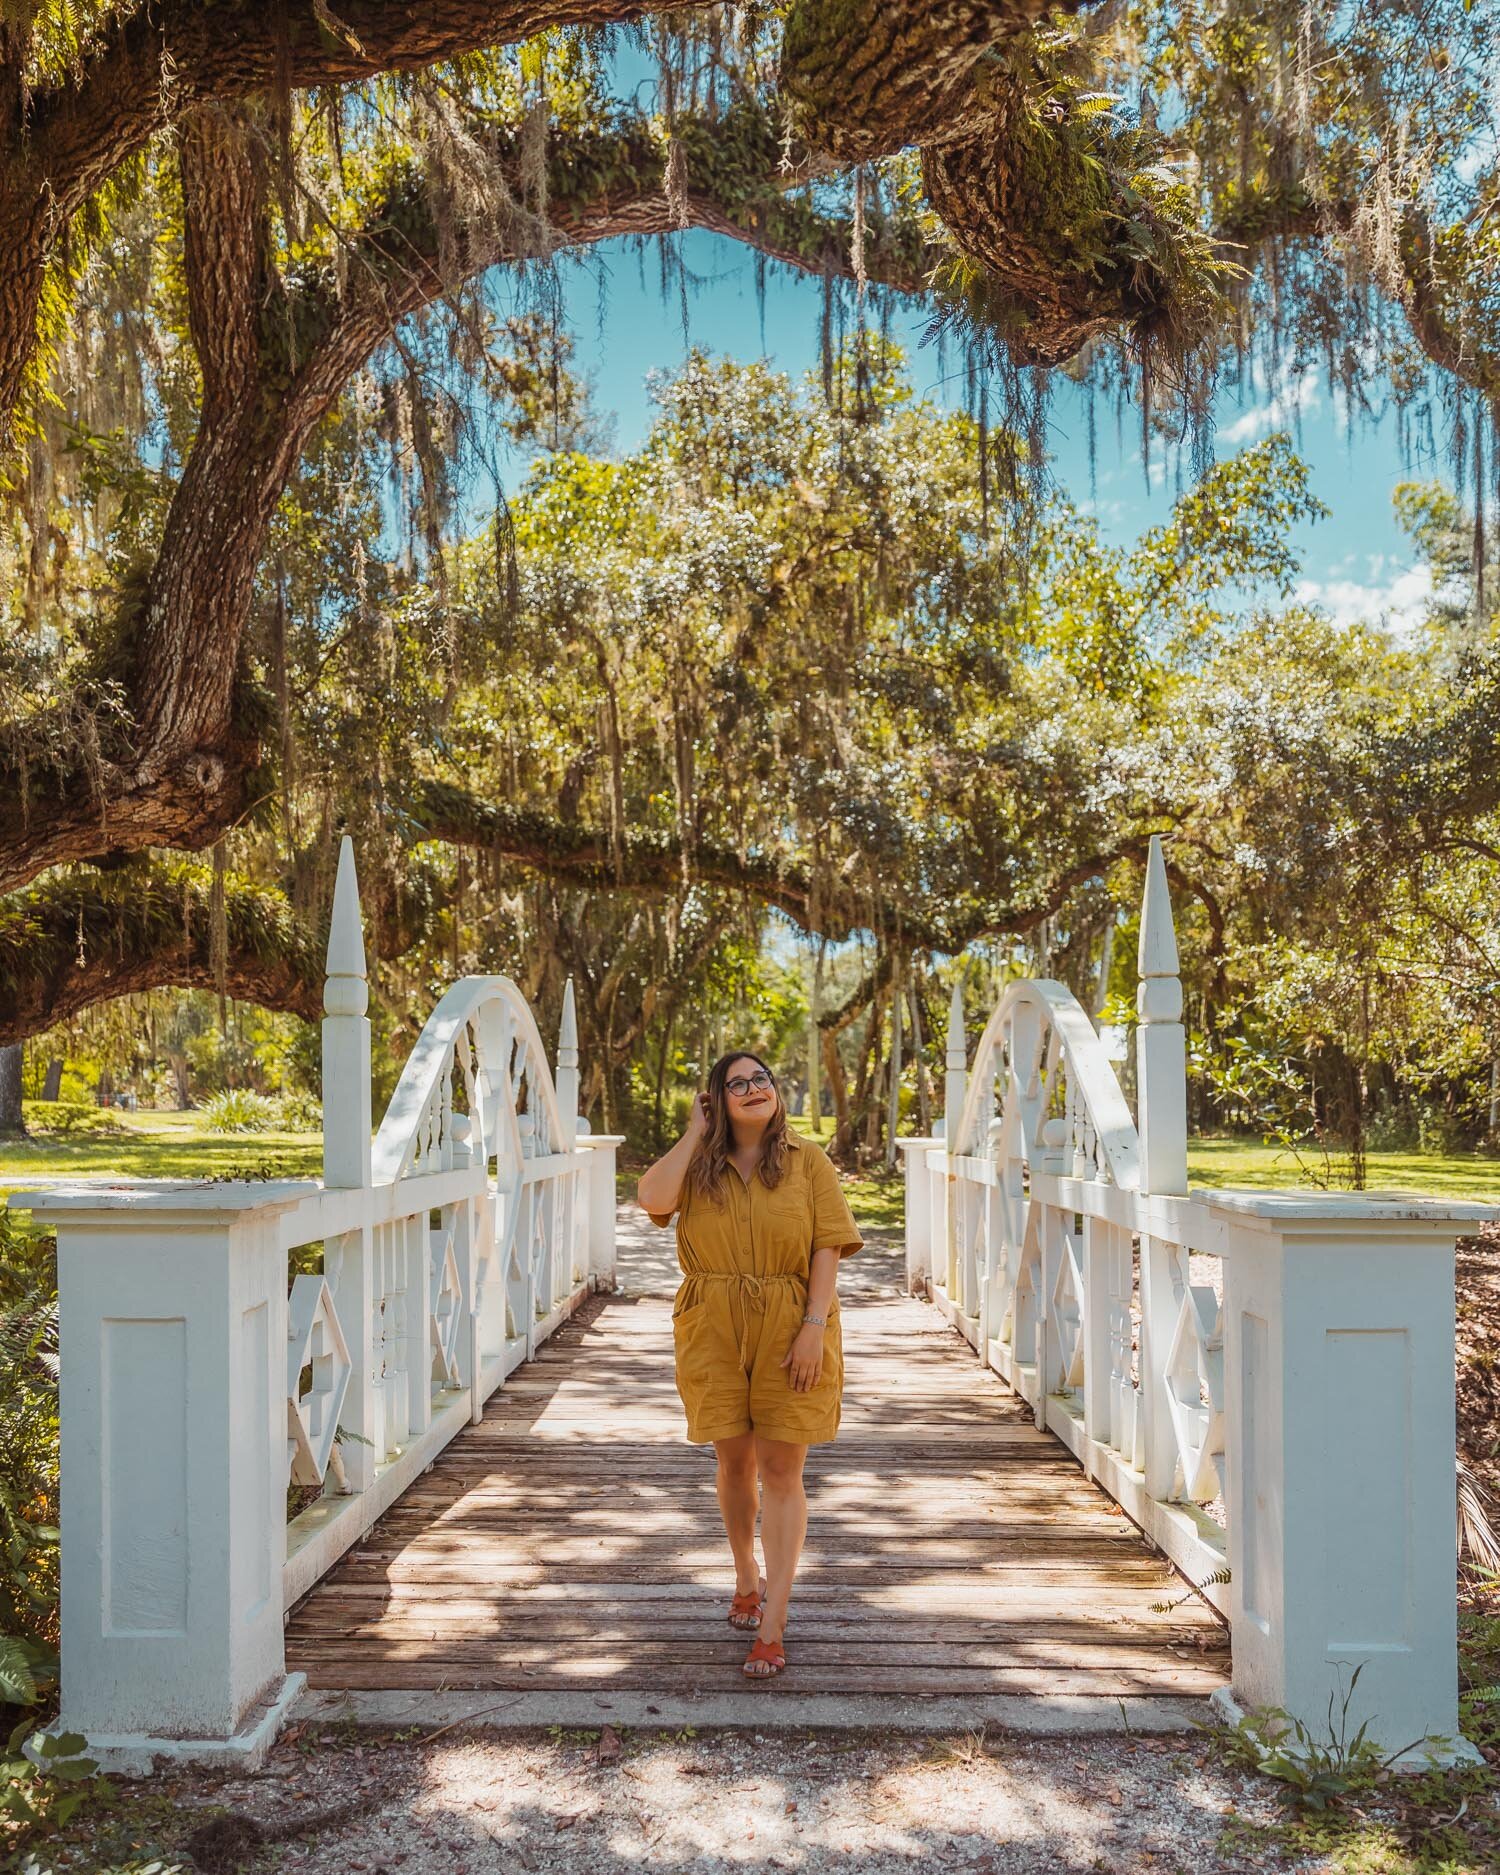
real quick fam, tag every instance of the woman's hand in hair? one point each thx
(660, 1189)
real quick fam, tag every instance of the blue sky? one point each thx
(1356, 563)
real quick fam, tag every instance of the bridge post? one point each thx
(956, 1079)
(346, 1038)
(599, 1172)
(567, 1069)
(349, 1256)
(1161, 1117)
(920, 1238)
(955, 1092)
(172, 1304)
(1338, 1332)
(1160, 1041)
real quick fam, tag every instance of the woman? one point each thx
(761, 1228)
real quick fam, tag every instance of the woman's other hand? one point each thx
(805, 1358)
(697, 1124)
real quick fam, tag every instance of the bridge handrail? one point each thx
(1262, 1380)
(223, 1342)
(485, 1026)
(1097, 1114)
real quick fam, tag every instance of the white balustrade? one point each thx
(1263, 1380)
(198, 1384)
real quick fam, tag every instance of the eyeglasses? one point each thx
(739, 1086)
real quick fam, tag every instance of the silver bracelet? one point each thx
(818, 1321)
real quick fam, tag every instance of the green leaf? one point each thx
(17, 1685)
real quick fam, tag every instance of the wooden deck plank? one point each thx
(572, 1541)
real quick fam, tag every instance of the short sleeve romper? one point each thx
(745, 1265)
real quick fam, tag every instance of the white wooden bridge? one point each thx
(435, 1344)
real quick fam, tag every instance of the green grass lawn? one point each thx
(176, 1145)
(158, 1145)
(1247, 1162)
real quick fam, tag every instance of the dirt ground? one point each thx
(1478, 1283)
(590, 1803)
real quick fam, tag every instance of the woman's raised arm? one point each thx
(661, 1184)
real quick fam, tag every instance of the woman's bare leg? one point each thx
(783, 1525)
(738, 1503)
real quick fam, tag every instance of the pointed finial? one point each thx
(956, 1080)
(567, 1035)
(1160, 1041)
(345, 993)
(566, 1081)
(957, 1041)
(1157, 956)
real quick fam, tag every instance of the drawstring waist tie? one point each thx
(752, 1294)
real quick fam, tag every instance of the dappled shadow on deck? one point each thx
(572, 1540)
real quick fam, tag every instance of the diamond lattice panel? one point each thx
(1195, 1392)
(315, 1342)
(1067, 1315)
(445, 1308)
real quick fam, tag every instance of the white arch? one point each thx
(1039, 1027)
(484, 1025)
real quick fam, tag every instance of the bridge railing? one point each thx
(1264, 1381)
(232, 1348)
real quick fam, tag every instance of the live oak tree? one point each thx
(335, 169)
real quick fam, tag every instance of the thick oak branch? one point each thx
(78, 938)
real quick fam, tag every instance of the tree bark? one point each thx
(871, 77)
(93, 936)
(60, 143)
(190, 773)
(12, 1118)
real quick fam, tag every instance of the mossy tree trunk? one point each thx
(12, 1119)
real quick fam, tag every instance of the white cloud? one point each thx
(1398, 604)
(1278, 412)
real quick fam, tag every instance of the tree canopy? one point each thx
(279, 276)
(218, 217)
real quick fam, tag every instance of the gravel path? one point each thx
(589, 1804)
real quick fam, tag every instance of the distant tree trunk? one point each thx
(838, 1088)
(179, 1066)
(12, 1120)
(869, 1059)
(893, 1120)
(919, 1059)
(52, 1086)
(661, 1079)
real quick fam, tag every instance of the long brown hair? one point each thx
(710, 1162)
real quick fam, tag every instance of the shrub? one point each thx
(71, 1118)
(237, 1110)
(28, 1492)
(301, 1113)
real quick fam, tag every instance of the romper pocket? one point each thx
(681, 1314)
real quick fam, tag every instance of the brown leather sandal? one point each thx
(745, 1610)
(771, 1654)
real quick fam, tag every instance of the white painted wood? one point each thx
(195, 1381)
(955, 1079)
(917, 1180)
(1339, 1377)
(1262, 1380)
(567, 1066)
(346, 1037)
(1160, 1040)
(598, 1204)
(173, 1330)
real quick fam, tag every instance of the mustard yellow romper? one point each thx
(745, 1266)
